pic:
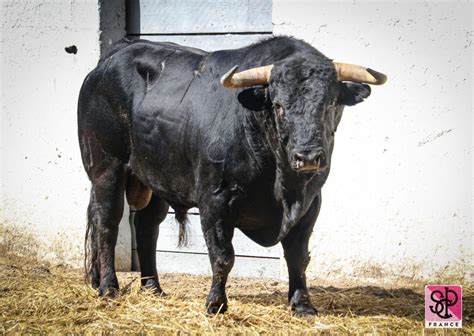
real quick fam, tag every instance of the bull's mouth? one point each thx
(308, 167)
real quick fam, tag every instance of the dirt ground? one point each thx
(38, 298)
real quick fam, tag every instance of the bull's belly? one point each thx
(258, 217)
(167, 180)
(265, 232)
(265, 237)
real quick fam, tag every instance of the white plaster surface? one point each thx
(398, 202)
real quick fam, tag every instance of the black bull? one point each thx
(156, 124)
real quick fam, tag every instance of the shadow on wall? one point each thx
(133, 23)
(113, 21)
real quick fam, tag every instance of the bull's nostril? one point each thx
(298, 161)
(299, 157)
(320, 158)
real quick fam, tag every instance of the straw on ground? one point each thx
(40, 298)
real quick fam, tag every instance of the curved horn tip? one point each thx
(379, 77)
(226, 79)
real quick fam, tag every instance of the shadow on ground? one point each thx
(362, 301)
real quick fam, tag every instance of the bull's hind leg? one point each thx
(147, 223)
(295, 246)
(105, 211)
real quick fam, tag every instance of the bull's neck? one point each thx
(295, 192)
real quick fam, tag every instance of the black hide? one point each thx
(157, 111)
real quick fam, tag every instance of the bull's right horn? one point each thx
(250, 77)
(360, 74)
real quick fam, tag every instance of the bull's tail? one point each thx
(91, 254)
(87, 247)
(182, 219)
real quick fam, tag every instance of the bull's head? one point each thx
(307, 97)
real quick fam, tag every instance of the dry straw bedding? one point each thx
(39, 298)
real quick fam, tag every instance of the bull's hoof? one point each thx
(216, 308)
(304, 310)
(108, 292)
(154, 286)
(216, 302)
(301, 305)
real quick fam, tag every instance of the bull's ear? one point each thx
(254, 99)
(353, 93)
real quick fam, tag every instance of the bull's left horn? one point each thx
(357, 73)
(250, 77)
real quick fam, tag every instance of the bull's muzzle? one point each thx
(310, 161)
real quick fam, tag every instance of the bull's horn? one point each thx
(250, 77)
(357, 73)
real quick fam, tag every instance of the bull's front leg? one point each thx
(218, 238)
(295, 246)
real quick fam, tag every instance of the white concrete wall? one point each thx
(398, 202)
(44, 187)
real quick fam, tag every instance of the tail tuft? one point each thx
(182, 218)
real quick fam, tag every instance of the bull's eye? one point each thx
(333, 102)
(280, 111)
